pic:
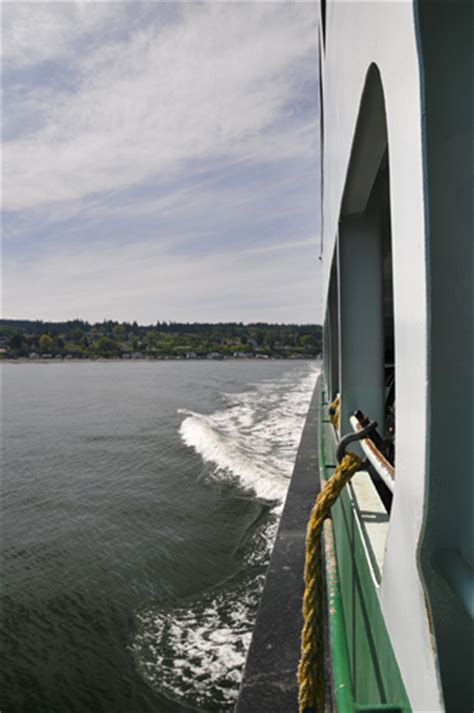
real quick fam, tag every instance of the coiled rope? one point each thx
(334, 410)
(311, 666)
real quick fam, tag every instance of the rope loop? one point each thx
(311, 666)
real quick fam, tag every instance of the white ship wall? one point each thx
(359, 34)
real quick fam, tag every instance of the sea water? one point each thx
(140, 504)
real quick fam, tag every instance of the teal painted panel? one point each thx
(346, 577)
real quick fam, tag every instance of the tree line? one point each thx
(111, 339)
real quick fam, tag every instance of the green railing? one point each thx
(365, 673)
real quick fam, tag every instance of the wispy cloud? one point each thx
(272, 283)
(219, 82)
(35, 32)
(184, 129)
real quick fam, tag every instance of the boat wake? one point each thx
(253, 441)
(193, 652)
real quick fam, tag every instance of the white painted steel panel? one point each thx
(357, 35)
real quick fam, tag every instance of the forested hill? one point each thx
(109, 339)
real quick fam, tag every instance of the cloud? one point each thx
(220, 82)
(35, 32)
(148, 283)
(160, 160)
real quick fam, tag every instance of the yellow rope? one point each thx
(334, 410)
(311, 666)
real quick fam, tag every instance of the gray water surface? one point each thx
(140, 502)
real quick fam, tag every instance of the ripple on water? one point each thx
(194, 651)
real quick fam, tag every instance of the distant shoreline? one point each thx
(81, 341)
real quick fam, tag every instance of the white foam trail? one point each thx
(255, 438)
(195, 652)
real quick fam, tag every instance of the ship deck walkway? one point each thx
(269, 681)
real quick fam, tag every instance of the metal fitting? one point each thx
(352, 437)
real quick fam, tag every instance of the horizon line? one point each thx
(152, 324)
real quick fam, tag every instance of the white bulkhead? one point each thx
(382, 36)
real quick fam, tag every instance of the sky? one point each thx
(161, 161)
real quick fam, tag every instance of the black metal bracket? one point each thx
(352, 437)
(382, 444)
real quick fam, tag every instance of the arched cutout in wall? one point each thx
(364, 278)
